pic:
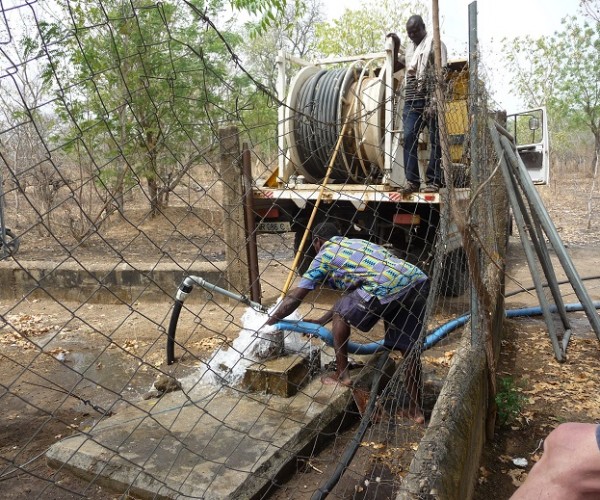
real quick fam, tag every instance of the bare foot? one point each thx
(414, 414)
(333, 379)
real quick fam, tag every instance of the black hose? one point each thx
(305, 126)
(316, 124)
(301, 122)
(353, 445)
(324, 118)
(326, 100)
(171, 333)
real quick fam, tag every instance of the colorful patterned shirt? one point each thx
(350, 264)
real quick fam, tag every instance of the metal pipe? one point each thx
(251, 250)
(3, 235)
(504, 132)
(281, 61)
(476, 327)
(217, 289)
(552, 234)
(523, 225)
(389, 108)
(184, 289)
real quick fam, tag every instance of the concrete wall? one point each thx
(447, 462)
(98, 283)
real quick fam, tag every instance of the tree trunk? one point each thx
(153, 196)
(154, 190)
(590, 201)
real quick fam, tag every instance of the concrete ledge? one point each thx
(102, 282)
(447, 461)
(209, 443)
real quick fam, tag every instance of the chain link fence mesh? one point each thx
(123, 134)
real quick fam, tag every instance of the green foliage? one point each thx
(509, 401)
(267, 10)
(293, 31)
(141, 83)
(362, 31)
(561, 73)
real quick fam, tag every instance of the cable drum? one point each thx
(304, 125)
(371, 123)
(319, 102)
(324, 120)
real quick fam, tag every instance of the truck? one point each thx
(340, 147)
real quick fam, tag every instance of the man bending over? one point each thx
(379, 286)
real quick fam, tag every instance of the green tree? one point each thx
(292, 30)
(591, 8)
(363, 30)
(267, 10)
(143, 86)
(561, 73)
(24, 124)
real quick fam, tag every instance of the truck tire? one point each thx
(454, 279)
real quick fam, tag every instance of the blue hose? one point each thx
(325, 335)
(431, 339)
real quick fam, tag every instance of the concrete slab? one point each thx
(210, 443)
(283, 376)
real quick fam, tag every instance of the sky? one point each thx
(496, 19)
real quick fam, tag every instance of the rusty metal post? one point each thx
(251, 247)
(234, 226)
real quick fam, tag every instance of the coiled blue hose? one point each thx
(431, 339)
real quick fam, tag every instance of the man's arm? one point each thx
(288, 305)
(324, 319)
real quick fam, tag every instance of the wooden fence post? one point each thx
(233, 208)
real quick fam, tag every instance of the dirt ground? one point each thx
(547, 392)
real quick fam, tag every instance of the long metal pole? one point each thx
(525, 242)
(552, 234)
(476, 323)
(3, 238)
(251, 247)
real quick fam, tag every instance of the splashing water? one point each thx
(256, 342)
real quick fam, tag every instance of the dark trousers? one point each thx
(414, 120)
(403, 318)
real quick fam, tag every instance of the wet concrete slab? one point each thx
(283, 376)
(211, 443)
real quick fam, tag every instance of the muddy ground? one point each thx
(59, 341)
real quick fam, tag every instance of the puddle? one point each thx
(95, 369)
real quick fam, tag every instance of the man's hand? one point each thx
(430, 110)
(323, 320)
(288, 305)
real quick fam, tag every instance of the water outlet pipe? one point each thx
(184, 289)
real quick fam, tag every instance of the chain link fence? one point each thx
(158, 204)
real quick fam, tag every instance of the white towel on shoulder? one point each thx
(420, 57)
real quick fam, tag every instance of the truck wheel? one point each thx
(454, 279)
(308, 254)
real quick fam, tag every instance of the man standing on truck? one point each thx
(420, 107)
(380, 286)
